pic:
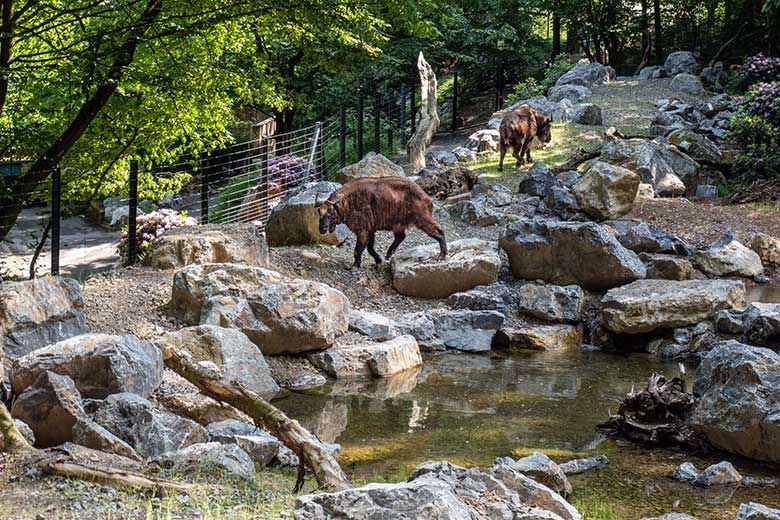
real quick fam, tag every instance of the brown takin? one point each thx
(518, 130)
(367, 205)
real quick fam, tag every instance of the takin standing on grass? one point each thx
(518, 130)
(368, 205)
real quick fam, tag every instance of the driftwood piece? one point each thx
(120, 479)
(656, 415)
(578, 158)
(758, 191)
(429, 118)
(308, 448)
(13, 440)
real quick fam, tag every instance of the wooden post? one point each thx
(429, 122)
(56, 199)
(320, 153)
(131, 222)
(342, 137)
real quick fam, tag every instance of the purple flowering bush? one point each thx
(756, 126)
(756, 69)
(150, 226)
(286, 169)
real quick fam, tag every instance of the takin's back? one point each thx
(519, 124)
(384, 203)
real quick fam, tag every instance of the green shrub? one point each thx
(756, 126)
(531, 87)
(230, 198)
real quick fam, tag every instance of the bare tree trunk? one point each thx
(13, 440)
(659, 51)
(309, 449)
(556, 46)
(118, 478)
(429, 120)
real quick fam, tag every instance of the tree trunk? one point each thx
(429, 118)
(571, 38)
(556, 46)
(659, 51)
(644, 27)
(21, 189)
(326, 469)
(13, 440)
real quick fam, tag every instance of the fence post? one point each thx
(500, 85)
(413, 109)
(359, 129)
(377, 123)
(342, 137)
(56, 192)
(133, 205)
(264, 182)
(390, 107)
(312, 151)
(205, 173)
(455, 102)
(402, 115)
(320, 153)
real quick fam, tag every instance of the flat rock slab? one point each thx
(470, 331)
(39, 312)
(565, 253)
(210, 457)
(208, 244)
(647, 305)
(469, 263)
(369, 359)
(729, 257)
(98, 364)
(372, 165)
(539, 337)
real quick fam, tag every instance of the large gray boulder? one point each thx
(98, 364)
(755, 511)
(230, 351)
(695, 145)
(372, 165)
(279, 314)
(469, 263)
(296, 221)
(151, 431)
(554, 251)
(497, 296)
(647, 305)
(538, 181)
(470, 331)
(572, 92)
(667, 267)
(542, 469)
(761, 324)
(539, 337)
(440, 490)
(212, 243)
(372, 324)
(39, 312)
(606, 191)
(210, 457)
(585, 114)
(261, 446)
(585, 73)
(680, 62)
(551, 302)
(767, 247)
(368, 358)
(738, 400)
(641, 239)
(483, 140)
(688, 83)
(729, 257)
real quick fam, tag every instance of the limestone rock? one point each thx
(497, 296)
(99, 365)
(754, 511)
(680, 62)
(577, 466)
(729, 257)
(445, 182)
(767, 247)
(39, 312)
(198, 407)
(90, 434)
(606, 191)
(584, 73)
(230, 351)
(688, 83)
(542, 469)
(259, 445)
(685, 472)
(641, 239)
(571, 92)
(647, 305)
(464, 155)
(761, 324)
(554, 252)
(210, 457)
(738, 408)
(469, 263)
(372, 324)
(730, 321)
(367, 359)
(539, 337)
(667, 267)
(372, 165)
(720, 474)
(538, 181)
(585, 114)
(296, 221)
(697, 146)
(212, 243)
(483, 141)
(551, 302)
(470, 331)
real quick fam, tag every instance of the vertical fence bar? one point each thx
(500, 85)
(264, 182)
(205, 173)
(56, 196)
(413, 108)
(320, 153)
(390, 106)
(342, 137)
(455, 102)
(402, 117)
(133, 204)
(359, 129)
(312, 153)
(377, 123)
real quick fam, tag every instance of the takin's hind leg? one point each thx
(371, 250)
(517, 154)
(398, 238)
(527, 151)
(502, 147)
(433, 230)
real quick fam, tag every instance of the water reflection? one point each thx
(765, 293)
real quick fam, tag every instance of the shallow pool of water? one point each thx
(469, 409)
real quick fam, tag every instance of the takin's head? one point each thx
(329, 214)
(544, 128)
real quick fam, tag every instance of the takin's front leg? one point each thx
(399, 237)
(371, 250)
(360, 244)
(527, 150)
(517, 154)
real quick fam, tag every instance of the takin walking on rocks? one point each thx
(518, 130)
(367, 205)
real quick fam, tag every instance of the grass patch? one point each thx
(596, 510)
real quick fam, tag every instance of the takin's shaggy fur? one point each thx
(518, 130)
(368, 205)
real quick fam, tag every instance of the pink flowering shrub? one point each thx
(756, 69)
(150, 226)
(756, 126)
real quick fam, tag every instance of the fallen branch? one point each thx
(210, 381)
(578, 158)
(728, 42)
(14, 441)
(120, 479)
